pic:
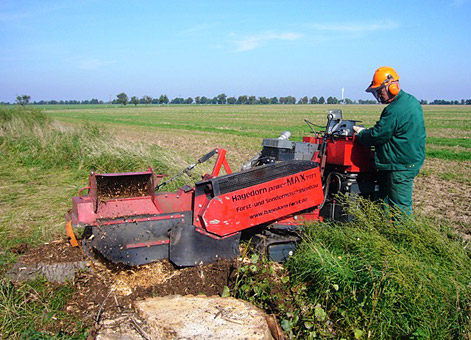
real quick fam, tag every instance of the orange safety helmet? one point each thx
(384, 76)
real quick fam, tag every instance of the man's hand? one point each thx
(358, 129)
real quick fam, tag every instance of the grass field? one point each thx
(45, 158)
(448, 127)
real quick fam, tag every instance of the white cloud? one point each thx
(356, 27)
(254, 41)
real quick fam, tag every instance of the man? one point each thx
(398, 137)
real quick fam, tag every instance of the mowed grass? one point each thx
(262, 121)
(194, 129)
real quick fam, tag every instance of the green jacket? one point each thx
(398, 136)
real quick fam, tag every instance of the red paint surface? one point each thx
(126, 207)
(265, 202)
(346, 153)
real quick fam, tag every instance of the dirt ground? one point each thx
(108, 290)
(49, 253)
(447, 200)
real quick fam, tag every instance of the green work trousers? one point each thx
(395, 188)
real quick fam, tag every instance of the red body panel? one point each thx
(168, 202)
(83, 211)
(232, 212)
(347, 153)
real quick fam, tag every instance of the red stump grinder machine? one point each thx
(128, 219)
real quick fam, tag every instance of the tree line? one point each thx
(221, 99)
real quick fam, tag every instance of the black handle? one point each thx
(207, 156)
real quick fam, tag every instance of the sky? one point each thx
(86, 49)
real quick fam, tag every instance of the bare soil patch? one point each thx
(108, 290)
(59, 251)
(448, 200)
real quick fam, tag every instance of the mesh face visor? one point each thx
(375, 90)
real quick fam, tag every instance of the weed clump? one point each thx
(33, 140)
(371, 278)
(386, 280)
(38, 303)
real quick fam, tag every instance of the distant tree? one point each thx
(134, 100)
(122, 98)
(198, 100)
(94, 101)
(332, 100)
(468, 101)
(204, 100)
(231, 100)
(348, 101)
(242, 100)
(321, 100)
(178, 100)
(263, 100)
(252, 100)
(274, 100)
(440, 102)
(222, 98)
(214, 100)
(147, 100)
(303, 100)
(189, 100)
(163, 99)
(313, 100)
(23, 100)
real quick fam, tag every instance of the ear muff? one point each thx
(394, 89)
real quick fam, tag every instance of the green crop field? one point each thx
(367, 279)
